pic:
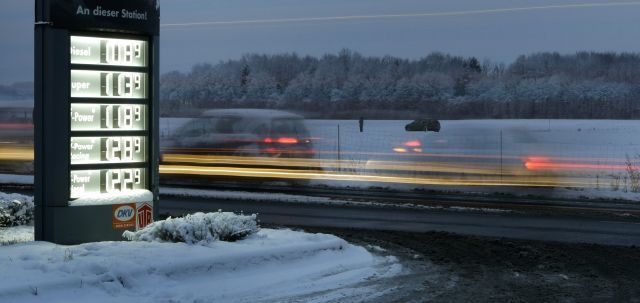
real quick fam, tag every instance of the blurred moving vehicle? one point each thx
(409, 147)
(243, 132)
(16, 137)
(16, 124)
(423, 125)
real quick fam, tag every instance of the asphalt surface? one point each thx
(474, 222)
(608, 223)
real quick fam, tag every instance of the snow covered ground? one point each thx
(607, 140)
(569, 158)
(267, 266)
(16, 234)
(270, 266)
(299, 199)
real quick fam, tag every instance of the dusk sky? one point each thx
(499, 30)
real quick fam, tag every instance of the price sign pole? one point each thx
(96, 118)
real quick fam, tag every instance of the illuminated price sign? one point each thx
(106, 181)
(108, 117)
(97, 150)
(108, 84)
(107, 51)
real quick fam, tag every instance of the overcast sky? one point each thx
(481, 28)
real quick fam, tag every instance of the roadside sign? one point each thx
(145, 215)
(96, 118)
(124, 216)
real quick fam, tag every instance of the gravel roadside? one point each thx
(452, 268)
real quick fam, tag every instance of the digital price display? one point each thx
(107, 51)
(106, 181)
(98, 150)
(108, 117)
(108, 84)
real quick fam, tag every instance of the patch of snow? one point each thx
(132, 196)
(269, 266)
(376, 248)
(16, 234)
(286, 198)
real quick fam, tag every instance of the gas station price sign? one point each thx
(109, 51)
(108, 84)
(95, 115)
(108, 117)
(106, 150)
(106, 181)
(111, 121)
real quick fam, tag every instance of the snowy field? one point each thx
(604, 139)
(574, 157)
(607, 140)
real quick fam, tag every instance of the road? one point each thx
(612, 223)
(375, 217)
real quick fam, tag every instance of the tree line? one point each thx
(16, 91)
(585, 85)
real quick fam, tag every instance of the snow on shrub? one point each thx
(15, 209)
(197, 228)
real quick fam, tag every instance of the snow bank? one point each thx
(16, 234)
(198, 228)
(269, 266)
(15, 209)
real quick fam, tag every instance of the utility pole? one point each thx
(339, 157)
(500, 156)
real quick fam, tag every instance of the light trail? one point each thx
(16, 154)
(408, 156)
(512, 181)
(532, 171)
(543, 163)
(399, 16)
(370, 165)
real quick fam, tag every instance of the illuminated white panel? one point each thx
(102, 150)
(108, 84)
(106, 181)
(107, 51)
(108, 117)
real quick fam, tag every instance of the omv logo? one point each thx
(124, 213)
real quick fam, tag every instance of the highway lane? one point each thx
(559, 226)
(511, 225)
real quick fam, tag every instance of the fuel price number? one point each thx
(108, 51)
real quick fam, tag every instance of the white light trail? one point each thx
(397, 16)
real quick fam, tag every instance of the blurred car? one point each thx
(409, 147)
(423, 125)
(243, 132)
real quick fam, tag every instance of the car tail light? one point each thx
(413, 143)
(286, 140)
(283, 140)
